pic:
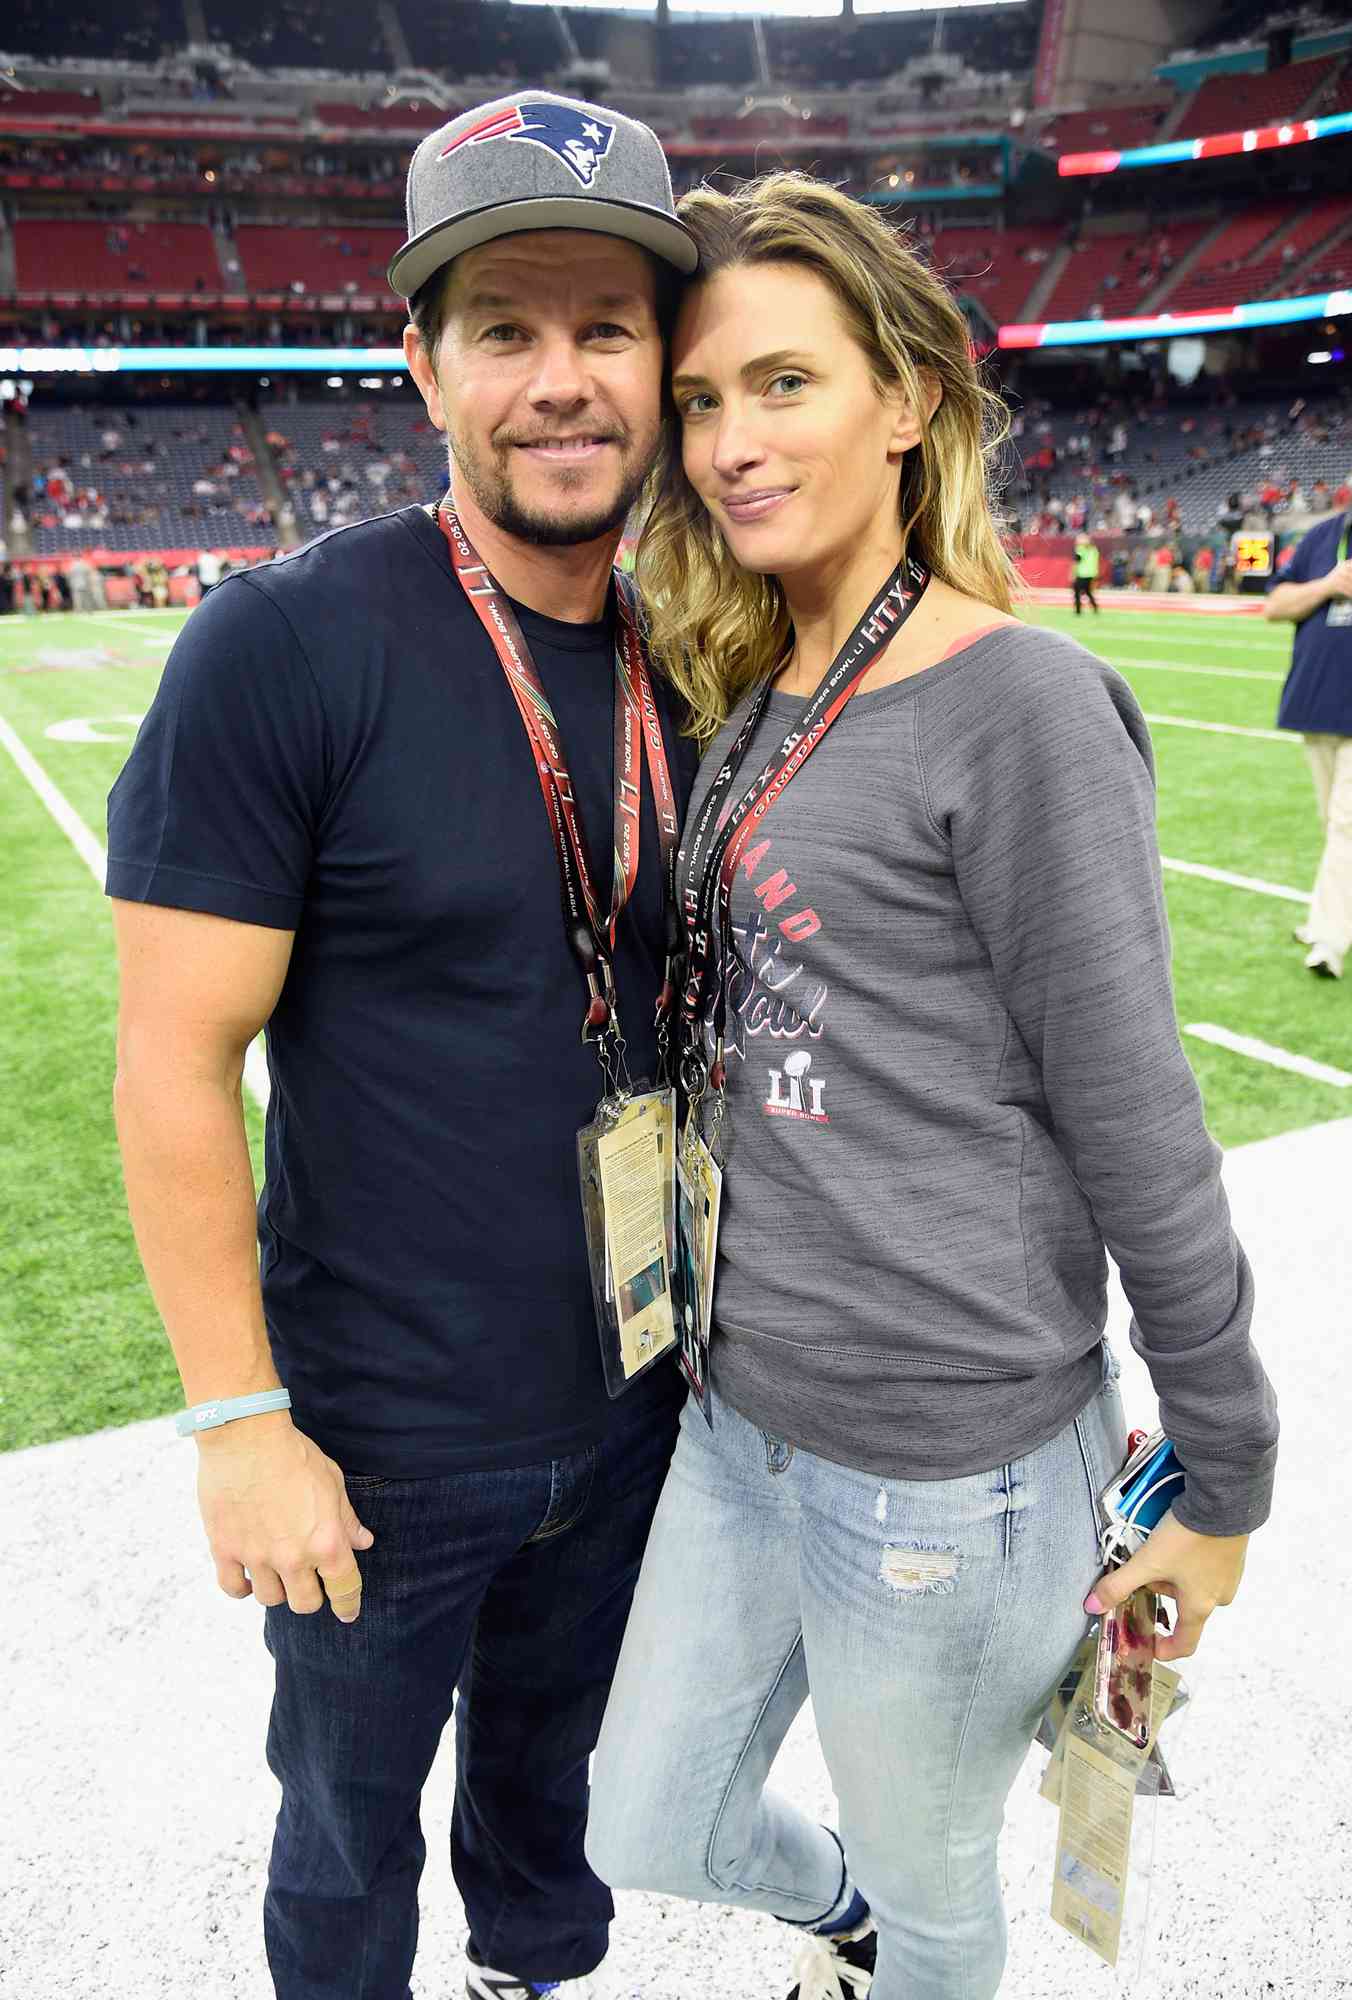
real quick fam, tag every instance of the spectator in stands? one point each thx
(853, 1497)
(334, 754)
(1315, 593)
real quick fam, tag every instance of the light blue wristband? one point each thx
(206, 1416)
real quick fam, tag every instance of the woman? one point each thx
(953, 1073)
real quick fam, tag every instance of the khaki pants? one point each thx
(1330, 920)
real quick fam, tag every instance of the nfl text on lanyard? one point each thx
(717, 839)
(638, 734)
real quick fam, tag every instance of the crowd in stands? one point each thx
(340, 466)
(1154, 468)
(178, 166)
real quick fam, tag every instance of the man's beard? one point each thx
(491, 488)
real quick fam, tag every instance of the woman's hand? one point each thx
(1197, 1571)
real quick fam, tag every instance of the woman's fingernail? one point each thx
(1092, 1605)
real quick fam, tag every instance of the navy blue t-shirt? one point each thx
(334, 750)
(1317, 697)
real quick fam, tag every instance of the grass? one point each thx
(80, 1342)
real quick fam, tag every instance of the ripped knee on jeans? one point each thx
(918, 1569)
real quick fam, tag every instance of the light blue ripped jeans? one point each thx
(930, 1620)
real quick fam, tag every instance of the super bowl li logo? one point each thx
(793, 1093)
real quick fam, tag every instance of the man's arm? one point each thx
(1296, 601)
(196, 989)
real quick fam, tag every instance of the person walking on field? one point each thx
(331, 826)
(1315, 593)
(1084, 571)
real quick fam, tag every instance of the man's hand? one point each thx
(1339, 578)
(1197, 1571)
(273, 1504)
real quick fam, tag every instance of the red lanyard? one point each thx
(638, 735)
(717, 838)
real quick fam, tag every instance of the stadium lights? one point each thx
(1323, 355)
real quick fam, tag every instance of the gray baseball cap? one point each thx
(536, 161)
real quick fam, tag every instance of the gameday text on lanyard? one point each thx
(717, 839)
(637, 723)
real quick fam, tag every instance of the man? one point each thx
(209, 570)
(332, 825)
(1084, 571)
(1316, 594)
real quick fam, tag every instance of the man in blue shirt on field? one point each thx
(332, 824)
(1316, 592)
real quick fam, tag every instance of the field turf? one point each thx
(80, 1342)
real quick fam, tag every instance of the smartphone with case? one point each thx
(1140, 1495)
(1124, 1667)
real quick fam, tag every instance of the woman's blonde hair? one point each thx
(716, 629)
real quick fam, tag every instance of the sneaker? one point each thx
(836, 1968)
(483, 1983)
(1325, 961)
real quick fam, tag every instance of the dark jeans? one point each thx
(1083, 586)
(512, 1587)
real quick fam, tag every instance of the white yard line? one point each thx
(1252, 882)
(1223, 729)
(1212, 673)
(1266, 1052)
(95, 858)
(148, 634)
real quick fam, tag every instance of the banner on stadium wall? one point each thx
(1162, 326)
(1048, 53)
(1214, 146)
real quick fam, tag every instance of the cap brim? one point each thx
(421, 258)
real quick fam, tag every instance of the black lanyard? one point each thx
(716, 839)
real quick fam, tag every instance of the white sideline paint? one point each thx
(1212, 673)
(1253, 882)
(1267, 1052)
(95, 858)
(1223, 729)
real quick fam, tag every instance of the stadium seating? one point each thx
(343, 461)
(465, 38)
(1218, 277)
(1163, 456)
(1265, 279)
(112, 260)
(1236, 103)
(300, 34)
(133, 31)
(998, 268)
(323, 262)
(146, 479)
(1113, 129)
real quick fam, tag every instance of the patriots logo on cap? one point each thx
(573, 136)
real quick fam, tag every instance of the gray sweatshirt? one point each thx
(957, 1075)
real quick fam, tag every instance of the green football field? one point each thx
(80, 1342)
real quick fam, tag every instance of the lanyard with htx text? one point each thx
(717, 837)
(638, 737)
